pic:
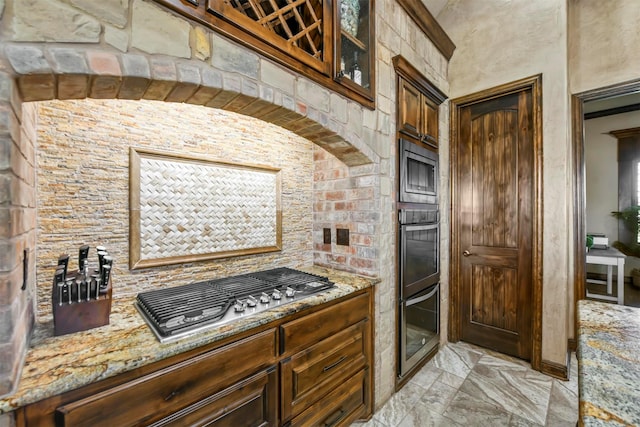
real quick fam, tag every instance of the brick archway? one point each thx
(60, 72)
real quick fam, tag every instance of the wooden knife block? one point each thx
(80, 316)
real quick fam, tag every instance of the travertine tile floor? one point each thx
(465, 385)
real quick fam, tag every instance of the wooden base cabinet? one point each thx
(189, 389)
(251, 402)
(344, 405)
(325, 381)
(311, 368)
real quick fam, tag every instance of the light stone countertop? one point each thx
(608, 364)
(55, 365)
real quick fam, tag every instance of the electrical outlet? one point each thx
(327, 235)
(342, 236)
(25, 269)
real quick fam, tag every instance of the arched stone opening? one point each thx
(30, 72)
(49, 72)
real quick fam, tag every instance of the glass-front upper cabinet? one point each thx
(353, 64)
(329, 41)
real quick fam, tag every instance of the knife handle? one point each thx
(59, 283)
(101, 255)
(83, 254)
(106, 273)
(59, 275)
(63, 261)
(107, 261)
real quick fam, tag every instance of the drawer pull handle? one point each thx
(334, 364)
(171, 396)
(334, 418)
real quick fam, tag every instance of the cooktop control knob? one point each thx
(239, 306)
(251, 301)
(290, 292)
(276, 295)
(264, 298)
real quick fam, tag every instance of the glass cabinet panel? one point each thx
(328, 41)
(354, 33)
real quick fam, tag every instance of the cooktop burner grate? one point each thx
(182, 310)
(299, 281)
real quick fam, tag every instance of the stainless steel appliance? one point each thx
(419, 289)
(174, 313)
(419, 249)
(418, 174)
(420, 327)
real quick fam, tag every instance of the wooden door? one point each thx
(495, 222)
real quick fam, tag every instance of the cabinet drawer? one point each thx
(315, 327)
(314, 372)
(252, 402)
(168, 390)
(339, 408)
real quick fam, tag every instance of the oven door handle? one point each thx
(419, 299)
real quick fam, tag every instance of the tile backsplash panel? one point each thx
(83, 184)
(186, 209)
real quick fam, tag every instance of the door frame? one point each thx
(580, 184)
(534, 84)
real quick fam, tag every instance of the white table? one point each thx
(610, 257)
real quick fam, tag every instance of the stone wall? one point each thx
(133, 49)
(83, 184)
(17, 231)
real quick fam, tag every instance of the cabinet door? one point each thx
(409, 109)
(354, 59)
(341, 407)
(429, 131)
(169, 390)
(252, 402)
(309, 330)
(309, 375)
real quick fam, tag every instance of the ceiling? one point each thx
(610, 103)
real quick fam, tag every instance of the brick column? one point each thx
(17, 232)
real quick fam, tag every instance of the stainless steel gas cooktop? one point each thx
(181, 311)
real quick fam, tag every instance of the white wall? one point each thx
(501, 41)
(601, 170)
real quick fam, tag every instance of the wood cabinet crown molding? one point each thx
(411, 73)
(625, 133)
(429, 26)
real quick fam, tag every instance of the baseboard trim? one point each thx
(555, 370)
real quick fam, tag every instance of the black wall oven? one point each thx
(419, 290)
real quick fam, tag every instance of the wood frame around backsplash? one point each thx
(137, 259)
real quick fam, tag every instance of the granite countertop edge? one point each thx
(55, 365)
(608, 356)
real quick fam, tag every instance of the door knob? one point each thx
(466, 253)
